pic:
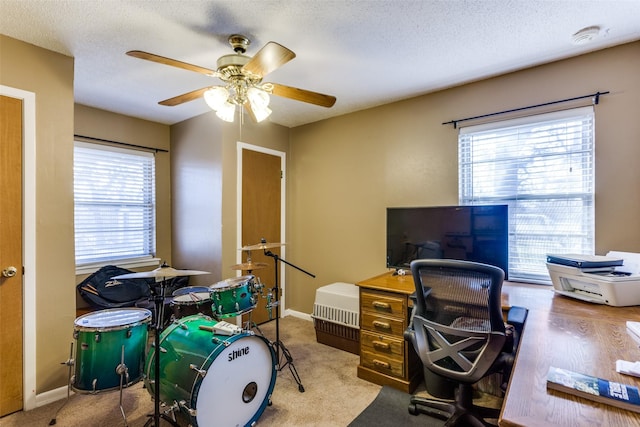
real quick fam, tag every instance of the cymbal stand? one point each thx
(69, 362)
(158, 299)
(279, 345)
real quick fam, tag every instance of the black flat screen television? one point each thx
(474, 233)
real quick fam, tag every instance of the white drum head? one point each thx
(111, 318)
(192, 297)
(236, 384)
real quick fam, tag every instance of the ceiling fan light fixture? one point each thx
(216, 97)
(261, 113)
(226, 112)
(258, 97)
(241, 76)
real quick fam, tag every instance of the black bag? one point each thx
(101, 291)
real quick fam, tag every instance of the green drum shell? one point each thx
(187, 348)
(99, 349)
(233, 297)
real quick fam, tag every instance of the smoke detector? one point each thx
(585, 35)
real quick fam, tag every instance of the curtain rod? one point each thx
(595, 96)
(121, 143)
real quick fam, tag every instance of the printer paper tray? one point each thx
(580, 296)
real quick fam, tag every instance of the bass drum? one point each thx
(214, 380)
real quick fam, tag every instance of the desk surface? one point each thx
(570, 334)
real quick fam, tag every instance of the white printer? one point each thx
(613, 279)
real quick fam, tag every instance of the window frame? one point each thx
(141, 260)
(580, 145)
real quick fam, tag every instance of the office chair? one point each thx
(458, 331)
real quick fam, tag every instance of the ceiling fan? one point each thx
(241, 76)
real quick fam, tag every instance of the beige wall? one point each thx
(204, 170)
(345, 171)
(50, 76)
(196, 162)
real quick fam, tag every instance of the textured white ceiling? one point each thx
(364, 52)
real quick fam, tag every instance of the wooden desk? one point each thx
(571, 334)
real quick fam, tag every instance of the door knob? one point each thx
(9, 272)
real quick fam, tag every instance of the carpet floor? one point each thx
(390, 408)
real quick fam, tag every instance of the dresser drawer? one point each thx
(382, 324)
(383, 303)
(381, 363)
(383, 345)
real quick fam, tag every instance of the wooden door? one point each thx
(261, 214)
(11, 323)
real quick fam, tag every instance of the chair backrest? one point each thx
(457, 319)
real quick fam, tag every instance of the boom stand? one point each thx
(278, 344)
(159, 307)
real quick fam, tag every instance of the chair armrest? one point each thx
(516, 317)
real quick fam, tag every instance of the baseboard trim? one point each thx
(52, 396)
(297, 314)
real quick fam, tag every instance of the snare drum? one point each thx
(233, 297)
(191, 300)
(102, 337)
(215, 380)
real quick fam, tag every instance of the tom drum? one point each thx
(233, 297)
(191, 300)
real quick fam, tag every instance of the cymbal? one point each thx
(250, 266)
(263, 245)
(161, 272)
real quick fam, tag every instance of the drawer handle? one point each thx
(381, 345)
(381, 325)
(381, 305)
(381, 364)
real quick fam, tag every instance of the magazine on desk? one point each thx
(593, 388)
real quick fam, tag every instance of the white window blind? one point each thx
(114, 193)
(542, 168)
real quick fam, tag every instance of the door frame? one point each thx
(283, 198)
(28, 241)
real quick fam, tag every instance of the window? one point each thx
(542, 167)
(114, 193)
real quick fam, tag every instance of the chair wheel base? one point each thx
(413, 409)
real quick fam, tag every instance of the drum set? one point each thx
(202, 370)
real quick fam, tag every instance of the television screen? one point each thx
(474, 233)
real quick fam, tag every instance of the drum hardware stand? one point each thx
(123, 371)
(158, 300)
(161, 275)
(279, 345)
(69, 362)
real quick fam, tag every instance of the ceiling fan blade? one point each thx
(172, 62)
(303, 95)
(185, 97)
(270, 57)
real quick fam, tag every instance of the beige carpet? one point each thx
(333, 395)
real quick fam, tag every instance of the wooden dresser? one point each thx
(385, 357)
